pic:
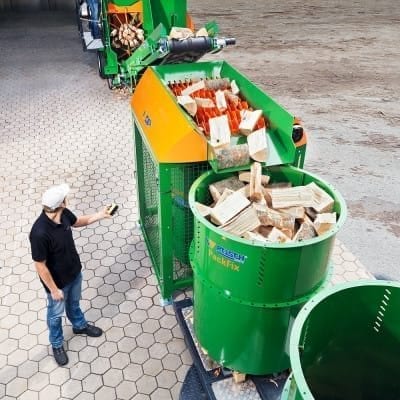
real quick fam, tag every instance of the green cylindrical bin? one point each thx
(345, 344)
(247, 294)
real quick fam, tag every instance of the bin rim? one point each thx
(307, 242)
(297, 371)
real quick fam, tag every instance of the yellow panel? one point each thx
(169, 132)
(135, 8)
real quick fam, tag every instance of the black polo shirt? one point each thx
(53, 244)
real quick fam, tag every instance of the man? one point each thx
(94, 8)
(58, 265)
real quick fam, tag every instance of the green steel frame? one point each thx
(165, 217)
(159, 16)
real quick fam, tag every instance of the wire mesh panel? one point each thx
(148, 193)
(182, 177)
(165, 215)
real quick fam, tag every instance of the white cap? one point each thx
(54, 196)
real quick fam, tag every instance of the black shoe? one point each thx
(89, 330)
(60, 355)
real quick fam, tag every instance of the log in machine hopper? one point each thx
(130, 35)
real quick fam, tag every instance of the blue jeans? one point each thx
(94, 17)
(55, 310)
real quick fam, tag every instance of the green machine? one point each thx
(345, 344)
(130, 35)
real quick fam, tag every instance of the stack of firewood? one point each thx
(249, 206)
(220, 112)
(127, 35)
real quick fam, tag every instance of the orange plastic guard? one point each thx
(135, 8)
(168, 131)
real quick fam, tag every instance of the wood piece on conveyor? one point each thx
(220, 133)
(188, 103)
(249, 121)
(257, 142)
(233, 156)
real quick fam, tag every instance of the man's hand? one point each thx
(104, 213)
(85, 220)
(57, 295)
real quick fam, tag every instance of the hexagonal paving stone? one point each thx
(105, 393)
(100, 365)
(50, 392)
(16, 387)
(139, 355)
(146, 384)
(8, 373)
(166, 379)
(17, 357)
(38, 381)
(71, 388)
(92, 383)
(125, 390)
(59, 376)
(115, 334)
(145, 340)
(112, 377)
(161, 394)
(79, 370)
(152, 367)
(8, 346)
(77, 343)
(107, 349)
(171, 362)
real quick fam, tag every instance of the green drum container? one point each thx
(247, 294)
(345, 344)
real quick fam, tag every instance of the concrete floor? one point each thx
(59, 122)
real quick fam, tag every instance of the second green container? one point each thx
(247, 294)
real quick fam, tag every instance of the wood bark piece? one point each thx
(204, 103)
(249, 121)
(323, 202)
(220, 100)
(179, 33)
(234, 87)
(257, 142)
(229, 208)
(264, 230)
(255, 236)
(245, 190)
(292, 197)
(188, 104)
(203, 210)
(238, 377)
(233, 156)
(232, 97)
(245, 177)
(275, 218)
(232, 183)
(256, 191)
(202, 32)
(311, 213)
(324, 222)
(245, 221)
(193, 88)
(220, 133)
(215, 193)
(217, 83)
(225, 194)
(306, 231)
(278, 236)
(295, 212)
